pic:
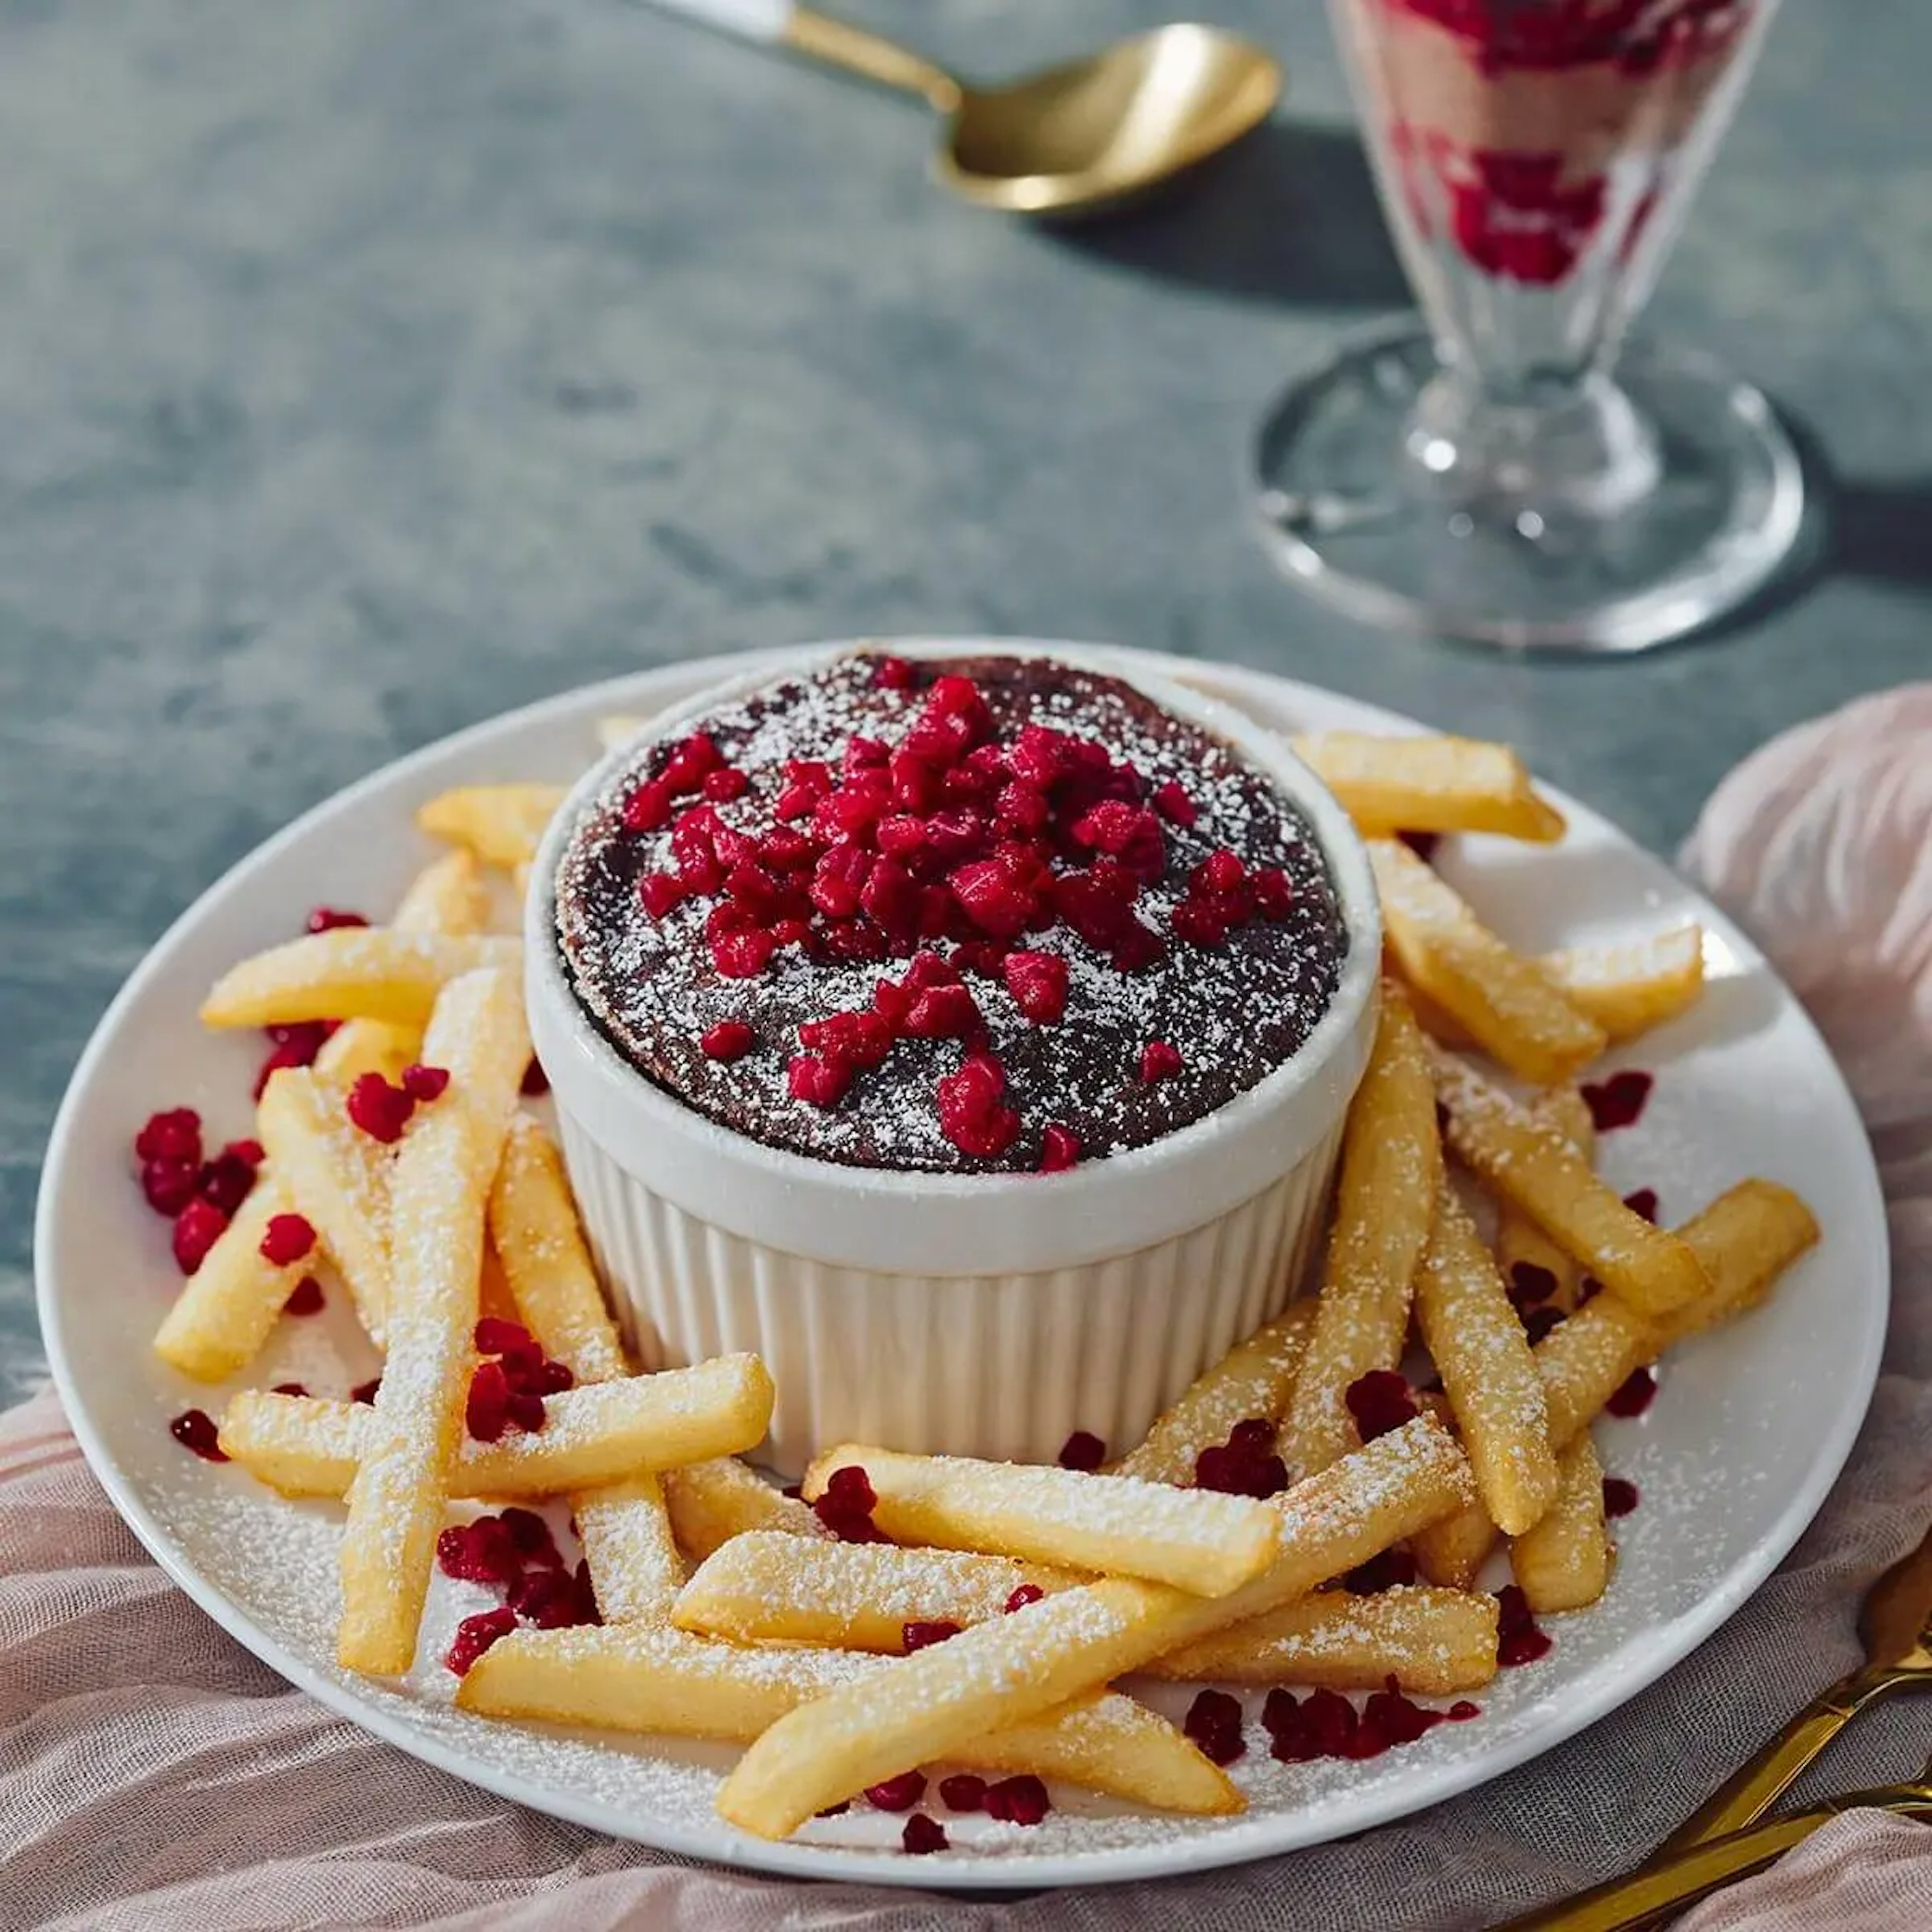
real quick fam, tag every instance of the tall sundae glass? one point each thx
(1503, 472)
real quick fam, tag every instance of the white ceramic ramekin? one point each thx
(984, 1315)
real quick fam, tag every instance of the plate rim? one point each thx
(1606, 1690)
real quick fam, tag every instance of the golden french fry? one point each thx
(930, 1704)
(634, 1566)
(441, 1180)
(1433, 1642)
(338, 1178)
(1388, 785)
(603, 1433)
(1476, 1340)
(503, 824)
(1391, 1167)
(652, 1678)
(710, 1502)
(1745, 1239)
(362, 972)
(1520, 1241)
(1629, 986)
(1564, 1562)
(1536, 1170)
(533, 1224)
(1198, 1541)
(1441, 1026)
(769, 1587)
(227, 1308)
(448, 896)
(493, 1298)
(1451, 1553)
(1503, 1000)
(1253, 1379)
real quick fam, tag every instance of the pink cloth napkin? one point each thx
(154, 1776)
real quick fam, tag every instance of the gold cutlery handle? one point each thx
(1744, 1797)
(1683, 1879)
(839, 44)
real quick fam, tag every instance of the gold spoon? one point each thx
(1066, 141)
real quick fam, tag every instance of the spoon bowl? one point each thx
(1098, 130)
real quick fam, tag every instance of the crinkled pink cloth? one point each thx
(153, 1775)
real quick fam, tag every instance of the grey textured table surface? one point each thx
(365, 369)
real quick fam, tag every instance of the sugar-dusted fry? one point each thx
(1476, 1342)
(1433, 1642)
(1253, 1380)
(1503, 1000)
(1433, 784)
(533, 1225)
(448, 896)
(767, 1587)
(1564, 1562)
(1198, 1541)
(338, 1178)
(1520, 1242)
(603, 1433)
(1384, 1199)
(635, 1570)
(503, 824)
(646, 1678)
(441, 1180)
(227, 1307)
(365, 972)
(1629, 986)
(929, 1705)
(1536, 1170)
(1745, 1240)
(1451, 1551)
(710, 1502)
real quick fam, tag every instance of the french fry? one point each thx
(635, 1570)
(603, 1433)
(768, 1587)
(1520, 1242)
(1564, 1562)
(710, 1502)
(533, 1225)
(1388, 785)
(365, 972)
(1536, 1171)
(929, 1705)
(441, 1179)
(1384, 1199)
(227, 1308)
(493, 1298)
(1254, 1379)
(1503, 1000)
(337, 1177)
(448, 897)
(1476, 1340)
(1744, 1240)
(1199, 1541)
(1433, 1642)
(503, 824)
(646, 1679)
(1629, 986)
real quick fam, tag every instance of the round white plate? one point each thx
(1751, 1425)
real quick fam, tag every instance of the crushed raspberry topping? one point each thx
(1083, 1450)
(1619, 1101)
(1214, 1722)
(1530, 1283)
(1018, 1800)
(1537, 1321)
(197, 1228)
(1519, 1638)
(423, 1085)
(366, 1392)
(288, 1239)
(380, 1110)
(1325, 1724)
(168, 1185)
(174, 1135)
(1390, 1570)
(963, 1791)
(1064, 849)
(536, 1081)
(194, 1428)
(1159, 1061)
(846, 1505)
(226, 1181)
(1059, 1149)
(1025, 1594)
(295, 1044)
(729, 1039)
(515, 1554)
(897, 1794)
(922, 1835)
(507, 1391)
(1620, 1495)
(326, 919)
(1245, 1465)
(475, 1635)
(1634, 1394)
(289, 1388)
(918, 1634)
(1642, 1201)
(1379, 1401)
(306, 1297)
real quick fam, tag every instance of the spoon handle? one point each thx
(818, 37)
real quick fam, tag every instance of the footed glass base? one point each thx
(1613, 520)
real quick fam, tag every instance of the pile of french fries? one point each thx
(730, 1610)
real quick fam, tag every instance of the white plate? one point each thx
(1751, 1425)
